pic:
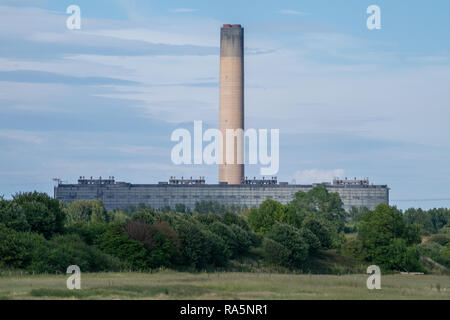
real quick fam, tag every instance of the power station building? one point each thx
(116, 195)
(233, 187)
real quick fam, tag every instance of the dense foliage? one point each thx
(40, 234)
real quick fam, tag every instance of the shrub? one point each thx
(430, 249)
(230, 219)
(90, 233)
(116, 242)
(227, 235)
(194, 248)
(442, 239)
(243, 238)
(275, 253)
(65, 250)
(43, 214)
(85, 211)
(290, 238)
(311, 239)
(160, 240)
(148, 216)
(265, 217)
(32, 252)
(320, 230)
(218, 252)
(12, 216)
(378, 229)
(16, 248)
(201, 248)
(397, 256)
(207, 218)
(444, 256)
(353, 248)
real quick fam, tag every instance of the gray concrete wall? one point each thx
(121, 195)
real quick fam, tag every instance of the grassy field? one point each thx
(175, 285)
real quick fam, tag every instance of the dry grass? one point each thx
(175, 285)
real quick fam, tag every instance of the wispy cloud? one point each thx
(317, 175)
(293, 12)
(22, 136)
(31, 76)
(183, 10)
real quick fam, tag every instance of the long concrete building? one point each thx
(116, 195)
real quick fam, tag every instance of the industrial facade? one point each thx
(116, 195)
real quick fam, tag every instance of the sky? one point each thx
(348, 101)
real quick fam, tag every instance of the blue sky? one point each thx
(105, 99)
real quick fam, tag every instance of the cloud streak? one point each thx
(293, 12)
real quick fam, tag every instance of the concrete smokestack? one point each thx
(231, 98)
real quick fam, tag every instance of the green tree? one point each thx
(311, 239)
(116, 242)
(290, 238)
(12, 215)
(398, 256)
(386, 238)
(264, 218)
(320, 229)
(86, 211)
(16, 248)
(228, 236)
(320, 203)
(43, 214)
(275, 253)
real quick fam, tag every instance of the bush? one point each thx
(90, 233)
(244, 240)
(227, 235)
(160, 240)
(311, 239)
(265, 217)
(43, 214)
(116, 242)
(32, 252)
(397, 256)
(379, 228)
(430, 249)
(12, 216)
(322, 204)
(442, 239)
(85, 211)
(230, 219)
(320, 230)
(218, 252)
(290, 238)
(275, 253)
(200, 248)
(148, 216)
(207, 218)
(444, 256)
(65, 250)
(194, 248)
(16, 248)
(353, 248)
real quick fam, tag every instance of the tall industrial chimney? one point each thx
(231, 99)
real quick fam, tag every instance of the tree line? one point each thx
(43, 235)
